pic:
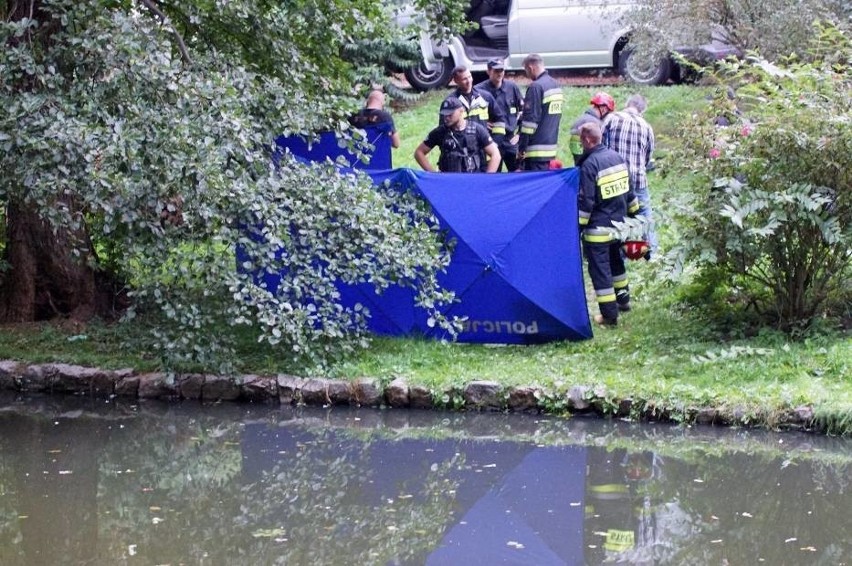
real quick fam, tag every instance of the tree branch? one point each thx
(165, 19)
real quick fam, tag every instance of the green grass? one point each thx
(662, 354)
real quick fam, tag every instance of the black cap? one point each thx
(450, 105)
(496, 64)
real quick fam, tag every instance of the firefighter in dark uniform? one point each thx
(540, 118)
(479, 105)
(466, 146)
(605, 196)
(508, 98)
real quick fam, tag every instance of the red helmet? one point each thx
(603, 99)
(635, 249)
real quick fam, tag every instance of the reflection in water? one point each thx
(84, 482)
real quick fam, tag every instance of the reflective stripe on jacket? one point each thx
(605, 193)
(540, 119)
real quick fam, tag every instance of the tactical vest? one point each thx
(460, 151)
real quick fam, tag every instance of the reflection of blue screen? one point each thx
(533, 516)
(513, 502)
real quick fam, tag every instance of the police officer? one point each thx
(464, 143)
(540, 118)
(605, 196)
(508, 98)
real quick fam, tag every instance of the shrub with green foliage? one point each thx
(769, 214)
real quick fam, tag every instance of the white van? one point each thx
(568, 34)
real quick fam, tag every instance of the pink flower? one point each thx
(745, 131)
(715, 152)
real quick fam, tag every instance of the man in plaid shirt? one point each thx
(632, 137)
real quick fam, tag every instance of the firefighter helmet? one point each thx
(603, 99)
(635, 249)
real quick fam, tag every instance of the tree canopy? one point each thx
(775, 28)
(137, 144)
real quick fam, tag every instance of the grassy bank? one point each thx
(663, 354)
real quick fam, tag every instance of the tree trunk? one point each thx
(45, 279)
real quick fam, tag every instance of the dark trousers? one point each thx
(531, 165)
(609, 277)
(510, 159)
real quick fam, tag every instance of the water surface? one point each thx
(95, 482)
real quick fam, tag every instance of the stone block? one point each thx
(190, 385)
(290, 389)
(74, 379)
(37, 378)
(706, 416)
(127, 386)
(366, 392)
(315, 392)
(482, 394)
(420, 397)
(339, 392)
(522, 399)
(157, 386)
(10, 374)
(219, 388)
(397, 393)
(259, 389)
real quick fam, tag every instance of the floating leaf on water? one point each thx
(269, 533)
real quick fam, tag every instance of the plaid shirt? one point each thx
(633, 138)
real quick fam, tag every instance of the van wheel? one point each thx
(642, 70)
(422, 79)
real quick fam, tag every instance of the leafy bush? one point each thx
(770, 209)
